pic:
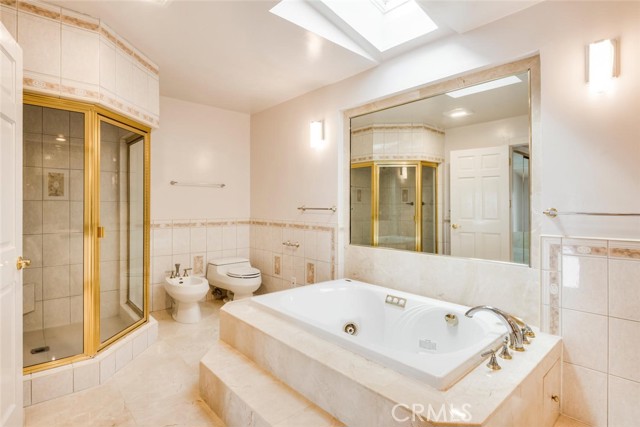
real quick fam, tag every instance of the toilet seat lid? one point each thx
(243, 272)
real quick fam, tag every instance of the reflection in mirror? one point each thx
(447, 174)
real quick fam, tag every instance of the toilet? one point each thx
(186, 292)
(234, 275)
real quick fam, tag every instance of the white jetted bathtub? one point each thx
(420, 337)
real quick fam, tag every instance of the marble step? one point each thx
(241, 393)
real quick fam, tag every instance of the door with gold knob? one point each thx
(10, 231)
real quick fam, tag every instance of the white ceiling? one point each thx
(487, 106)
(238, 56)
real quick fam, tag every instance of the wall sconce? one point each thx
(316, 134)
(602, 64)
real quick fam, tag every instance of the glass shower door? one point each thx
(53, 223)
(121, 227)
(429, 208)
(397, 227)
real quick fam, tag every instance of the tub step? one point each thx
(241, 393)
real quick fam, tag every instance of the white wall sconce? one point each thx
(316, 134)
(602, 64)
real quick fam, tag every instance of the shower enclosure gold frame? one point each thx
(92, 230)
(375, 196)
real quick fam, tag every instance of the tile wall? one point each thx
(53, 217)
(76, 56)
(309, 257)
(192, 243)
(591, 297)
(397, 142)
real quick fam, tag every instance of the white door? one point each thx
(480, 203)
(10, 230)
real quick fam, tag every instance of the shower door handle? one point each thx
(100, 232)
(22, 263)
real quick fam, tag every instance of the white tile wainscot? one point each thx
(192, 243)
(359, 392)
(590, 296)
(51, 383)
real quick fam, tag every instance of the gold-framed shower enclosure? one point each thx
(375, 166)
(92, 230)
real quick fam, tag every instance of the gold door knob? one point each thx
(22, 263)
(455, 226)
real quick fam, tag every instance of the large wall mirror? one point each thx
(447, 174)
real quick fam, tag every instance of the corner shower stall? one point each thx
(394, 205)
(85, 230)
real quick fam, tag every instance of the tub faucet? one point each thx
(515, 333)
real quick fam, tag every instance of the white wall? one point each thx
(509, 131)
(198, 143)
(589, 144)
(578, 128)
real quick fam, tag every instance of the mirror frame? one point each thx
(530, 65)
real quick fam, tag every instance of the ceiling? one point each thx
(487, 106)
(238, 56)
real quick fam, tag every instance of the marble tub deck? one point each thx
(158, 388)
(359, 392)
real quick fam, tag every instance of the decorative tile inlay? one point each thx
(198, 264)
(375, 157)
(76, 22)
(584, 247)
(10, 3)
(622, 249)
(311, 273)
(39, 84)
(37, 10)
(276, 265)
(397, 127)
(79, 92)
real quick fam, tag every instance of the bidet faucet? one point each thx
(515, 333)
(177, 273)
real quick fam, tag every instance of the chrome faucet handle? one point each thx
(185, 273)
(493, 362)
(504, 352)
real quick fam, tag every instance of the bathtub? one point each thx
(420, 337)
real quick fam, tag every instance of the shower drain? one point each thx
(39, 349)
(351, 328)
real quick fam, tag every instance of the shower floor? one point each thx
(65, 341)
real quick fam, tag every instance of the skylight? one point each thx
(384, 24)
(493, 84)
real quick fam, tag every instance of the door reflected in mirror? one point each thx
(446, 175)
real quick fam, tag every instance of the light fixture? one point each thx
(316, 134)
(482, 87)
(602, 64)
(61, 138)
(403, 173)
(458, 113)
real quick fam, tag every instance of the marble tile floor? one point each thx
(158, 388)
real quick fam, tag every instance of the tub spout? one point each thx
(515, 333)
